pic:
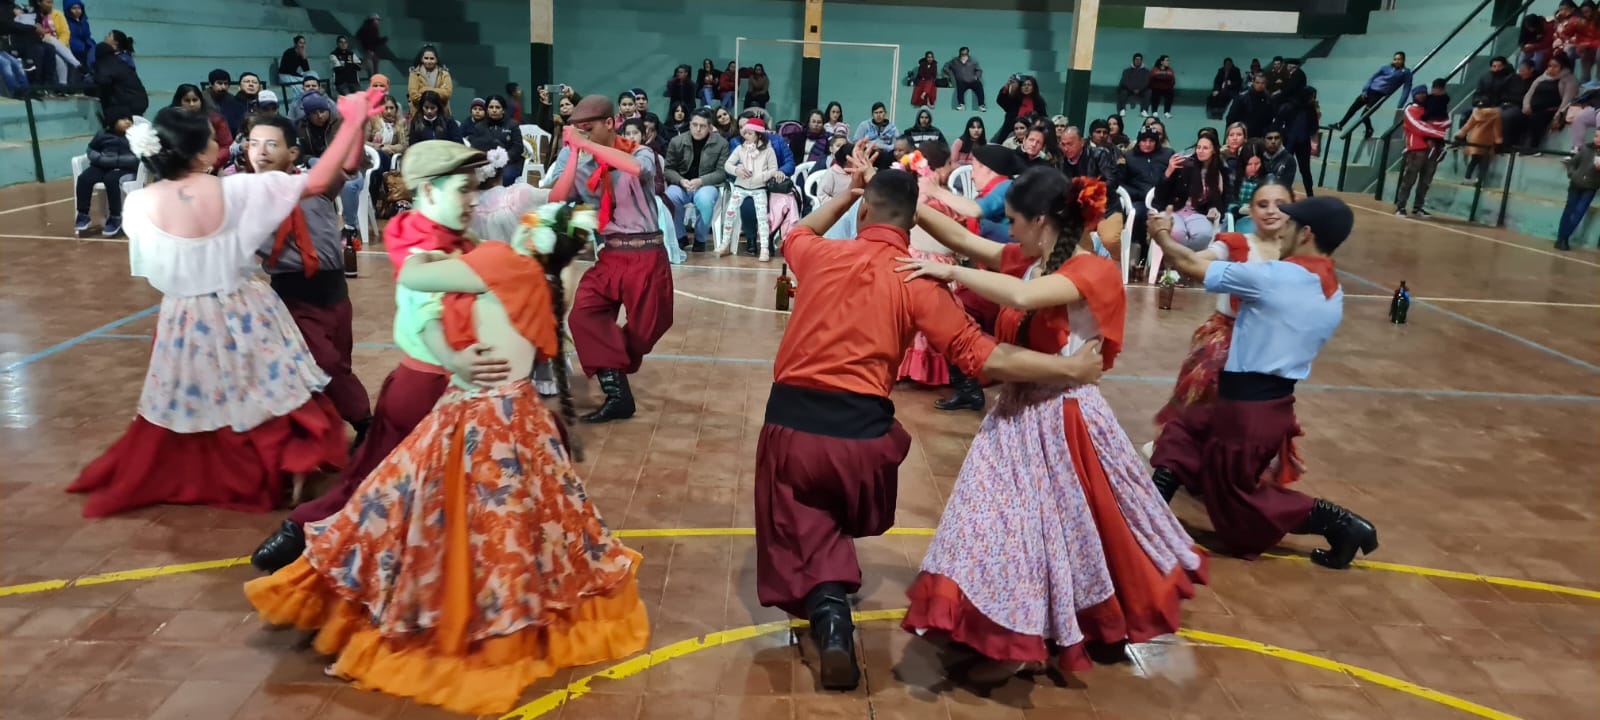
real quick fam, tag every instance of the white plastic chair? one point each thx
(813, 184)
(366, 215)
(802, 171)
(1152, 258)
(1126, 236)
(961, 182)
(80, 163)
(534, 141)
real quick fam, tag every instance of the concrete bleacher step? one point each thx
(65, 127)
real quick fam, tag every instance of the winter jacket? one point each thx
(224, 136)
(682, 92)
(1385, 81)
(1254, 110)
(1581, 170)
(966, 73)
(397, 140)
(1012, 104)
(1144, 172)
(917, 136)
(346, 67)
(1501, 89)
(1281, 166)
(119, 84)
(1163, 80)
(369, 39)
(927, 70)
(1228, 82)
(680, 152)
(416, 85)
(780, 148)
(441, 128)
(110, 151)
(1566, 85)
(1481, 128)
(292, 65)
(1190, 186)
(83, 41)
(59, 27)
(761, 163)
(1134, 79)
(1096, 162)
(18, 36)
(1537, 36)
(882, 136)
(231, 110)
(505, 134)
(1421, 134)
(314, 140)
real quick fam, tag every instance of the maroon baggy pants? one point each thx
(326, 330)
(638, 279)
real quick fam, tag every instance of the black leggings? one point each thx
(1302, 158)
(1162, 99)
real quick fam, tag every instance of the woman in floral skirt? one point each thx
(471, 563)
(232, 402)
(1053, 539)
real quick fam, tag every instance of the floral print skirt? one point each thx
(468, 565)
(1053, 537)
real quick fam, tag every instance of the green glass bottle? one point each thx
(1400, 305)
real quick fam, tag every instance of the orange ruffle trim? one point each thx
(488, 678)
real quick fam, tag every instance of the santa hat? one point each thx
(753, 124)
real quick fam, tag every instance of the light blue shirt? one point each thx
(1283, 316)
(845, 229)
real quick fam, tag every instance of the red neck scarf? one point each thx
(518, 282)
(1320, 266)
(1238, 251)
(295, 226)
(600, 181)
(412, 229)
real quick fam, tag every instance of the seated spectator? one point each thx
(1077, 158)
(627, 109)
(110, 161)
(706, 81)
(1163, 86)
(681, 88)
(694, 173)
(966, 74)
(722, 122)
(1134, 87)
(19, 42)
(308, 85)
(432, 120)
(293, 67)
(1225, 86)
(1147, 163)
(757, 87)
(976, 135)
(1040, 146)
(641, 106)
(249, 92)
(1115, 133)
(902, 148)
(925, 82)
(728, 87)
(429, 73)
(189, 98)
(812, 144)
(1020, 98)
(1193, 188)
(499, 128)
(878, 129)
(1548, 96)
(121, 91)
(82, 41)
(476, 112)
(514, 100)
(218, 86)
(833, 119)
(1535, 40)
(346, 66)
(923, 130)
(314, 132)
(1019, 132)
(1253, 107)
(386, 134)
(835, 179)
(1252, 173)
(57, 36)
(1584, 115)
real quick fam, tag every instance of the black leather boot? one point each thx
(828, 606)
(618, 404)
(1346, 532)
(1166, 483)
(280, 549)
(968, 392)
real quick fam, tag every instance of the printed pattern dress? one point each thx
(1053, 537)
(232, 401)
(471, 562)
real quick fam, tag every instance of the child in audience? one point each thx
(836, 179)
(110, 162)
(751, 165)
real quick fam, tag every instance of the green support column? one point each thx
(811, 57)
(541, 50)
(1085, 20)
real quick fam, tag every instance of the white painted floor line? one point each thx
(47, 203)
(1551, 253)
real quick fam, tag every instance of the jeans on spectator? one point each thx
(1572, 215)
(961, 93)
(379, 189)
(512, 172)
(705, 204)
(1539, 58)
(708, 96)
(727, 99)
(1124, 95)
(11, 73)
(64, 59)
(112, 179)
(753, 100)
(1160, 98)
(294, 89)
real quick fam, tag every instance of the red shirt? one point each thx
(856, 316)
(1099, 281)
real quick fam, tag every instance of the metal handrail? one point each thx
(1371, 110)
(1512, 152)
(1388, 135)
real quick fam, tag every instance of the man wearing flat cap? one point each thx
(440, 176)
(631, 271)
(1235, 454)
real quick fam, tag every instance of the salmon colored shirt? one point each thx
(855, 316)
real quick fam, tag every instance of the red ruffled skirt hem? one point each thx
(925, 366)
(151, 465)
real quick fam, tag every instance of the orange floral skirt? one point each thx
(468, 565)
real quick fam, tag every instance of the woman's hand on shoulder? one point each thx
(943, 272)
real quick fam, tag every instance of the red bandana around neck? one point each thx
(973, 223)
(600, 181)
(295, 226)
(1320, 266)
(412, 229)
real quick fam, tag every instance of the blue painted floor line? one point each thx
(92, 334)
(1143, 379)
(1591, 367)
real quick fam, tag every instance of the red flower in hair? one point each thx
(1091, 196)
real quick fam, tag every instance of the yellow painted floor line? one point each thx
(164, 570)
(578, 688)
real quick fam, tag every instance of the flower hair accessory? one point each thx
(498, 159)
(1091, 196)
(914, 162)
(540, 228)
(143, 140)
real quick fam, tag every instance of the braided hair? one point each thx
(567, 247)
(1044, 192)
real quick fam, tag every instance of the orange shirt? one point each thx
(518, 282)
(856, 316)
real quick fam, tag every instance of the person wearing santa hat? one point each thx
(631, 269)
(751, 165)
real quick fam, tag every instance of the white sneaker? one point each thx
(1144, 113)
(962, 106)
(983, 108)
(1168, 115)
(1148, 450)
(1400, 212)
